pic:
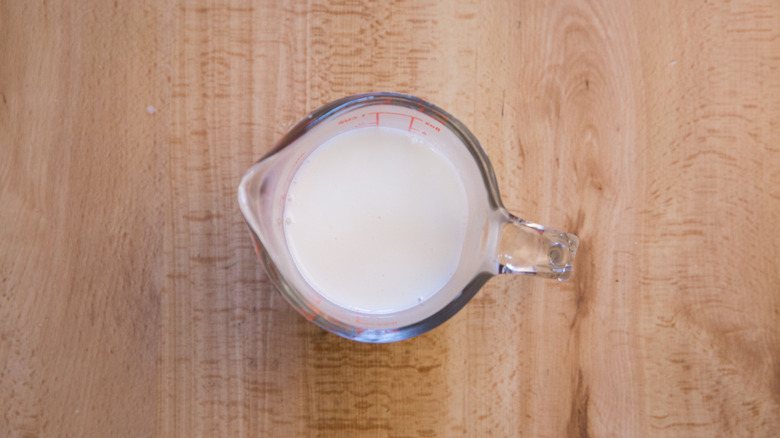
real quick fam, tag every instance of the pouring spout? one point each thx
(529, 248)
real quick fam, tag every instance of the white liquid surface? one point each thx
(375, 219)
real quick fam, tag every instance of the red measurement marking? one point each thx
(394, 114)
(434, 127)
(348, 119)
(411, 121)
(257, 248)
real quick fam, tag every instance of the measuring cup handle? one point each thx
(528, 248)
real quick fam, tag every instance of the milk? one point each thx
(375, 219)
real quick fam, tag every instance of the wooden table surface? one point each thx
(132, 303)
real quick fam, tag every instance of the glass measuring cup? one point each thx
(495, 242)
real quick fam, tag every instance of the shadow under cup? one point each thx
(495, 241)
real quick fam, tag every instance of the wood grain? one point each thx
(80, 168)
(132, 303)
